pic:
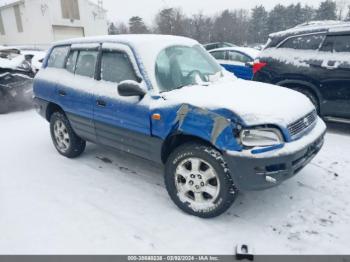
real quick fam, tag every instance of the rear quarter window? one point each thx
(305, 42)
(238, 57)
(336, 43)
(58, 57)
(220, 55)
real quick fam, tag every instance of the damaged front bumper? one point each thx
(268, 169)
(16, 85)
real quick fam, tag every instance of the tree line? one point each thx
(238, 26)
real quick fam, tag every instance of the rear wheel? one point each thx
(4, 103)
(65, 140)
(198, 180)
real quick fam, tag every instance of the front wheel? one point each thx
(314, 100)
(198, 180)
(64, 138)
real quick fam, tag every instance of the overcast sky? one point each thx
(122, 10)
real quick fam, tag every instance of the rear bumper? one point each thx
(41, 106)
(266, 170)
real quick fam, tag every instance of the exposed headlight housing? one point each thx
(261, 137)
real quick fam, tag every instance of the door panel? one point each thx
(75, 91)
(237, 63)
(335, 75)
(239, 69)
(335, 87)
(76, 100)
(122, 122)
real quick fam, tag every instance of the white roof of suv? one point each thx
(146, 47)
(136, 41)
(317, 26)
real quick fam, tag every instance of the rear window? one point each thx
(58, 57)
(86, 63)
(337, 43)
(116, 67)
(238, 57)
(306, 42)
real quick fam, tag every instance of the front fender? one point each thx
(202, 123)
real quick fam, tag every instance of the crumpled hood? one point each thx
(255, 103)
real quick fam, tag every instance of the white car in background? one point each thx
(237, 60)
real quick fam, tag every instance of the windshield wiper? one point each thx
(179, 87)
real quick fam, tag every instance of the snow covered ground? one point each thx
(108, 202)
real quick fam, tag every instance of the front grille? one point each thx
(302, 124)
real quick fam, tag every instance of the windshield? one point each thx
(179, 66)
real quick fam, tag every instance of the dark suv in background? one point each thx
(313, 59)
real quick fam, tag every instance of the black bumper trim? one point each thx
(41, 106)
(252, 173)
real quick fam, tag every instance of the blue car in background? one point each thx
(237, 60)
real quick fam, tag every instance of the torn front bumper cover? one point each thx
(268, 169)
(16, 85)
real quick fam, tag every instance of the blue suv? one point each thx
(165, 99)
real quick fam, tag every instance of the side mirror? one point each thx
(130, 88)
(249, 64)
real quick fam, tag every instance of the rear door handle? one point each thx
(101, 103)
(62, 93)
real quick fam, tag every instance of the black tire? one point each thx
(226, 191)
(74, 145)
(4, 103)
(314, 100)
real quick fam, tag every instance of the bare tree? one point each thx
(137, 26)
(342, 6)
(115, 28)
(239, 26)
(202, 27)
(347, 18)
(171, 21)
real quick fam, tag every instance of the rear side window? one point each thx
(58, 57)
(220, 55)
(337, 43)
(306, 42)
(342, 44)
(238, 57)
(116, 67)
(86, 63)
(71, 61)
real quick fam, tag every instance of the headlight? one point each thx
(261, 137)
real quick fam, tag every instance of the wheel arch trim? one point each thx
(306, 84)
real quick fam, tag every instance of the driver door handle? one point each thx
(62, 93)
(331, 66)
(101, 103)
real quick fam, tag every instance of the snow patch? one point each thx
(256, 103)
(302, 58)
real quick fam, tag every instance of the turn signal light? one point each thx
(156, 117)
